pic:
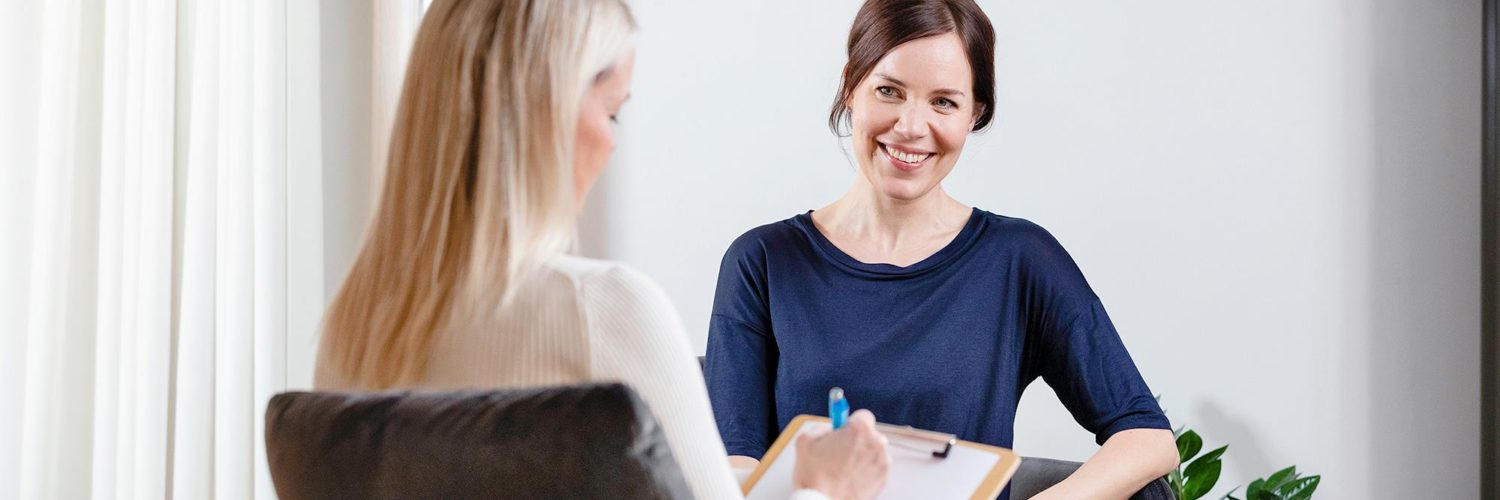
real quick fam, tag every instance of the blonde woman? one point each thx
(504, 124)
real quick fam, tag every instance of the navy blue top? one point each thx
(946, 344)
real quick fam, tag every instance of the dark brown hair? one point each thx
(882, 25)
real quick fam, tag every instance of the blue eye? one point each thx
(886, 91)
(945, 103)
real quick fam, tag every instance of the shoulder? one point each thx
(759, 241)
(1039, 258)
(602, 280)
(1024, 237)
(616, 295)
(630, 318)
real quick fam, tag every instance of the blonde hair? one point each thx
(479, 182)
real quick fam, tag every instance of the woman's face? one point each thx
(596, 118)
(910, 117)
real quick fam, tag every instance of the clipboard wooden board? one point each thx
(972, 465)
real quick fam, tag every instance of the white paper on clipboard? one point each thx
(914, 473)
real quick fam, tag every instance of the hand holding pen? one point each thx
(850, 462)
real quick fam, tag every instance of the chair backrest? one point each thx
(1037, 474)
(584, 441)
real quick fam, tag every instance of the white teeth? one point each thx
(906, 157)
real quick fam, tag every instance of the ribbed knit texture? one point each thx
(583, 320)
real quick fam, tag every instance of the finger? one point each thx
(862, 418)
(804, 440)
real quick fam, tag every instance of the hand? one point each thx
(848, 464)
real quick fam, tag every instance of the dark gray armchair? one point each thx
(585, 441)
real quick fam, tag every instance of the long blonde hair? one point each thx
(479, 183)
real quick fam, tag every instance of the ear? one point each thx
(978, 112)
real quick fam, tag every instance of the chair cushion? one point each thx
(586, 441)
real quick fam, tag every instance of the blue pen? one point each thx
(838, 408)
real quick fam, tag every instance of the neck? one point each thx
(869, 215)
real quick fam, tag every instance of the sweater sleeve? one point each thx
(636, 337)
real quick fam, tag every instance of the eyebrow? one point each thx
(892, 79)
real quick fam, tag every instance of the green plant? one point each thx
(1285, 484)
(1194, 476)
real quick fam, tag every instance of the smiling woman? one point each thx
(908, 124)
(930, 313)
(910, 95)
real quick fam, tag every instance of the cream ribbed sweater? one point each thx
(586, 320)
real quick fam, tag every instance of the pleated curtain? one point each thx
(172, 248)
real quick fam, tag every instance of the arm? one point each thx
(743, 462)
(1078, 352)
(742, 466)
(1125, 464)
(636, 338)
(740, 362)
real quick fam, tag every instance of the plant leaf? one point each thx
(1281, 477)
(1301, 489)
(1198, 485)
(1202, 462)
(1188, 445)
(1253, 491)
(1265, 495)
(1175, 479)
(1230, 495)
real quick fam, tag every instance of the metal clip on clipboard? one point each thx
(941, 443)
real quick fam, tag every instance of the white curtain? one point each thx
(163, 210)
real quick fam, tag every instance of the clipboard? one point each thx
(964, 469)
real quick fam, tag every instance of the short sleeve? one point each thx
(741, 359)
(1075, 348)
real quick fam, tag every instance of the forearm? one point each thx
(742, 467)
(743, 462)
(1125, 464)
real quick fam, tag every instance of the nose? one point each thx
(912, 122)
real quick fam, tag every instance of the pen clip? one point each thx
(942, 443)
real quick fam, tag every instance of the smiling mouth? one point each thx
(900, 157)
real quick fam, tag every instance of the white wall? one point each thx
(347, 39)
(1276, 199)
